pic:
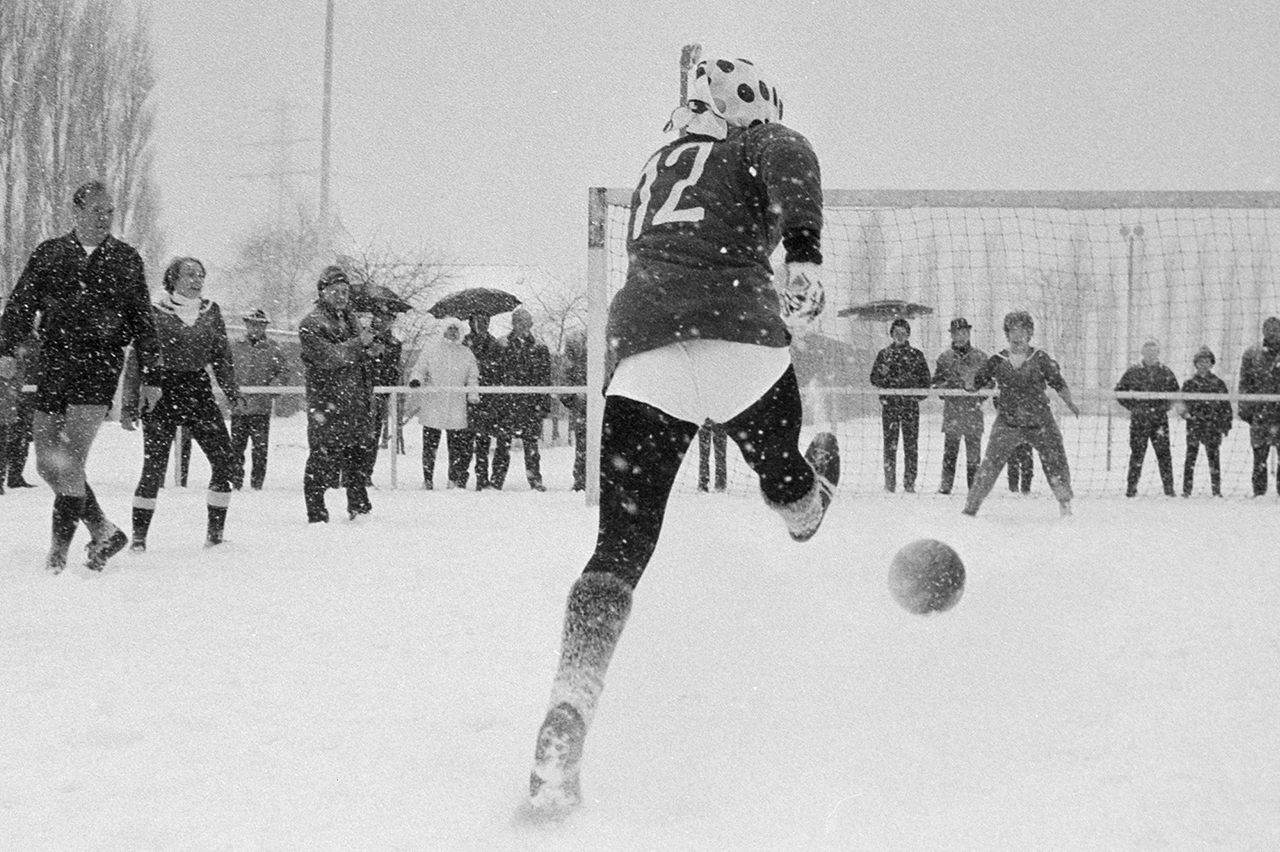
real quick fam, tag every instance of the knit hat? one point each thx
(257, 316)
(1202, 353)
(330, 276)
(960, 323)
(900, 322)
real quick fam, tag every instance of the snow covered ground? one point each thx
(1109, 681)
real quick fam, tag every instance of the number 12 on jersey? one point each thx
(665, 180)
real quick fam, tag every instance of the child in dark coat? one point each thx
(1207, 422)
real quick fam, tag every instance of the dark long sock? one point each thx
(67, 510)
(217, 522)
(141, 522)
(92, 515)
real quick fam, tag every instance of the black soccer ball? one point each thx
(926, 576)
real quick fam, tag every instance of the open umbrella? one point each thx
(379, 299)
(474, 301)
(886, 309)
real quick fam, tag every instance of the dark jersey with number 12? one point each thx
(705, 218)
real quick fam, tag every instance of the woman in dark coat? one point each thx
(192, 337)
(337, 355)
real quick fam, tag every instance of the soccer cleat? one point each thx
(100, 550)
(554, 783)
(138, 545)
(805, 515)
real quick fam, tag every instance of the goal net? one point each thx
(1101, 273)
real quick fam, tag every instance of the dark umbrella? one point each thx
(886, 309)
(474, 301)
(378, 299)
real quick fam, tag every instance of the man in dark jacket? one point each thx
(1148, 418)
(336, 352)
(897, 366)
(259, 361)
(526, 363)
(484, 418)
(1260, 374)
(961, 415)
(90, 290)
(1208, 422)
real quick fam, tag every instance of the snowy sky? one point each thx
(476, 128)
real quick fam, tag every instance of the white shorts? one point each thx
(699, 379)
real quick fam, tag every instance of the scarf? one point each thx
(186, 309)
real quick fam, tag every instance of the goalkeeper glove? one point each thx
(802, 295)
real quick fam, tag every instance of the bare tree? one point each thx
(276, 267)
(558, 309)
(76, 81)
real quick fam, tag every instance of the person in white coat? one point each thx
(446, 364)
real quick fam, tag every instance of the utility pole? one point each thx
(326, 126)
(282, 162)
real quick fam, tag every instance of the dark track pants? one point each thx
(1045, 439)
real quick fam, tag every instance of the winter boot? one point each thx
(805, 515)
(599, 604)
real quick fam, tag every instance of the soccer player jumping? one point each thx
(698, 331)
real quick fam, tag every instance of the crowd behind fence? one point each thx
(1096, 441)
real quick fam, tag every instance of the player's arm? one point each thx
(1053, 378)
(788, 167)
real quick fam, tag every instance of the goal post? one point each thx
(1100, 272)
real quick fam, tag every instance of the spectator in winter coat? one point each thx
(961, 415)
(192, 337)
(336, 353)
(447, 364)
(260, 362)
(387, 371)
(90, 291)
(897, 366)
(19, 429)
(1148, 418)
(1208, 422)
(1022, 373)
(575, 359)
(484, 418)
(1260, 374)
(526, 363)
